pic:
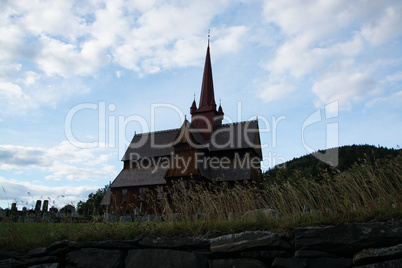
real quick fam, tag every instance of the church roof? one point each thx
(151, 144)
(140, 177)
(234, 136)
(242, 135)
(188, 128)
(106, 197)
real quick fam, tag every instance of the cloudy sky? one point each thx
(78, 78)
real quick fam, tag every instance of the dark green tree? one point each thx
(310, 167)
(92, 206)
(67, 209)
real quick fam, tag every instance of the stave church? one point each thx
(203, 149)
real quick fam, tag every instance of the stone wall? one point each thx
(346, 245)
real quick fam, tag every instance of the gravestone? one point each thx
(109, 217)
(38, 205)
(45, 205)
(127, 218)
(14, 211)
(136, 212)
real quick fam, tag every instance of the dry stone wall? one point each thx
(346, 245)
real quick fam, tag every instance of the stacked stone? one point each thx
(346, 245)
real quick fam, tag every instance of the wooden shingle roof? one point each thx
(151, 144)
(140, 177)
(106, 197)
(242, 135)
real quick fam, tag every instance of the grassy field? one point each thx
(25, 236)
(361, 194)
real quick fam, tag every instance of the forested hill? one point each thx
(309, 166)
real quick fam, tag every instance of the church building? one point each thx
(203, 150)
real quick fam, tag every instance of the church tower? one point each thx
(206, 118)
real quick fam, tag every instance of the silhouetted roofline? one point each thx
(166, 140)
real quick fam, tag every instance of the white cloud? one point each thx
(26, 193)
(29, 78)
(384, 27)
(11, 43)
(54, 18)
(14, 157)
(13, 99)
(342, 83)
(62, 171)
(393, 98)
(274, 89)
(168, 36)
(311, 30)
(63, 59)
(78, 39)
(395, 77)
(45, 41)
(230, 40)
(10, 91)
(64, 161)
(316, 18)
(41, 40)
(318, 35)
(26, 93)
(298, 58)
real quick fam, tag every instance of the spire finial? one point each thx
(194, 96)
(209, 35)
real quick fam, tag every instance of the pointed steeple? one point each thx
(206, 118)
(220, 110)
(207, 98)
(193, 107)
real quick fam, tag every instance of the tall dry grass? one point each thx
(363, 187)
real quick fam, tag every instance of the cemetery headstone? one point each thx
(45, 205)
(38, 205)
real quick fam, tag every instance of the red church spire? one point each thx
(206, 118)
(207, 98)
